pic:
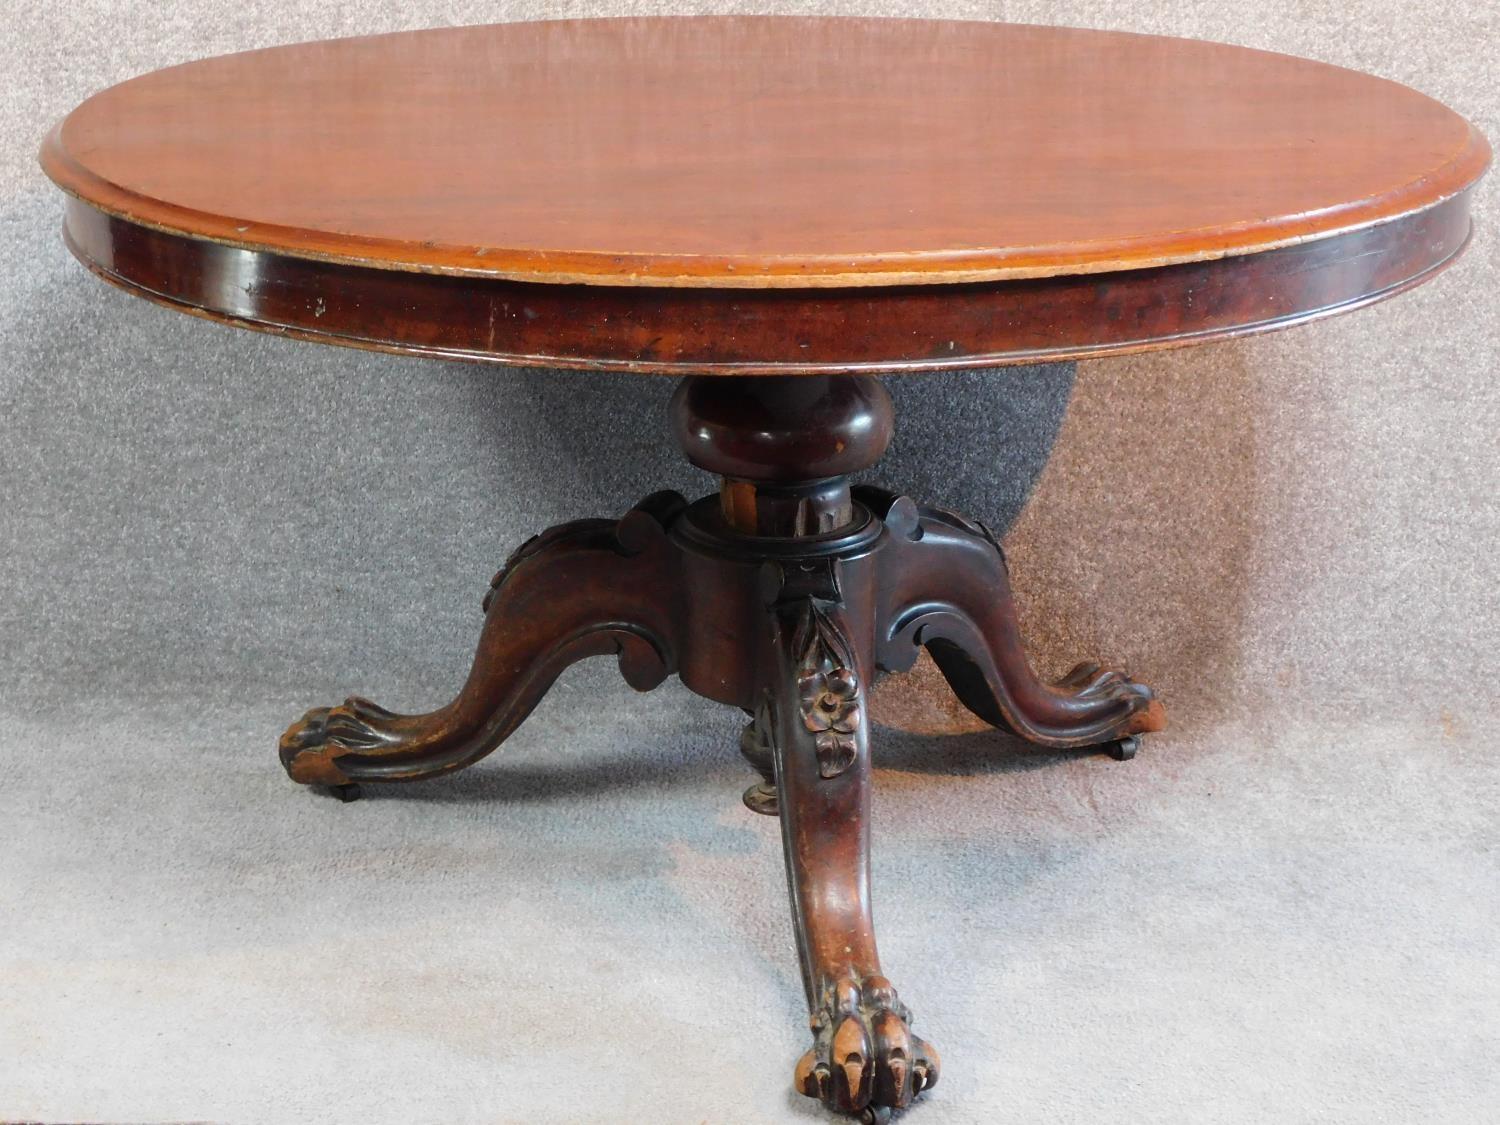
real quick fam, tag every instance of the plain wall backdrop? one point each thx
(1284, 910)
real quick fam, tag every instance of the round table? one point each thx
(776, 209)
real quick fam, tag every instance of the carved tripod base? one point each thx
(786, 596)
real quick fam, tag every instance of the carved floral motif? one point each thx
(829, 697)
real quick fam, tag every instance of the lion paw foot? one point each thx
(864, 1055)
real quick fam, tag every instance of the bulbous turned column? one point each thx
(783, 446)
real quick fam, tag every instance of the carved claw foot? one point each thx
(311, 746)
(587, 588)
(864, 1054)
(785, 596)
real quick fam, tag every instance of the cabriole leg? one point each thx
(864, 1057)
(588, 588)
(944, 585)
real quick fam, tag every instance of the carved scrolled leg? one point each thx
(864, 1057)
(944, 585)
(588, 588)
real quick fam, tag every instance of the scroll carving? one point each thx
(586, 588)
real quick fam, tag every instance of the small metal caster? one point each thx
(875, 1115)
(1123, 749)
(762, 799)
(346, 793)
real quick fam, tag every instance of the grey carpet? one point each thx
(1285, 910)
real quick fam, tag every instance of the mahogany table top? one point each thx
(723, 158)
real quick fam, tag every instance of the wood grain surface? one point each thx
(753, 151)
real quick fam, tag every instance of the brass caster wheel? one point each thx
(761, 799)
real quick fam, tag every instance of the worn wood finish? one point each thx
(814, 711)
(757, 151)
(588, 588)
(786, 603)
(755, 199)
(944, 586)
(767, 438)
(764, 195)
(771, 332)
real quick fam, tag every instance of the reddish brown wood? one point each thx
(750, 151)
(944, 585)
(790, 619)
(814, 715)
(780, 331)
(764, 195)
(588, 588)
(783, 446)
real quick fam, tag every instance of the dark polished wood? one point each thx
(814, 712)
(778, 209)
(771, 332)
(783, 446)
(587, 588)
(785, 596)
(764, 195)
